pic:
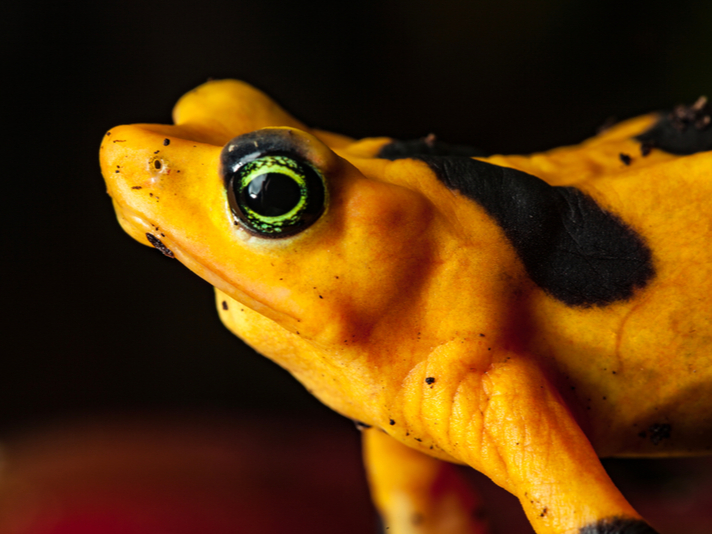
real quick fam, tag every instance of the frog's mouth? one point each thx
(134, 224)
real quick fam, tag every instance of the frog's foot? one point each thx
(418, 494)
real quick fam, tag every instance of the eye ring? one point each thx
(273, 190)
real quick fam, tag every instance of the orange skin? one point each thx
(402, 279)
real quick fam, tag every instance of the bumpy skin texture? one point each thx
(441, 299)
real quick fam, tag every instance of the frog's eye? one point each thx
(272, 193)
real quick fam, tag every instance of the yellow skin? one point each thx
(402, 279)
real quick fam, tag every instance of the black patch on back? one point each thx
(574, 250)
(618, 525)
(427, 146)
(685, 130)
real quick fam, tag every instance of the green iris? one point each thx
(276, 195)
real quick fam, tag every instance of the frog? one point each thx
(523, 315)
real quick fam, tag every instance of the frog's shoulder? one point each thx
(573, 249)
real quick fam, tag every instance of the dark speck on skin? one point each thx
(391, 421)
(625, 158)
(166, 142)
(430, 380)
(224, 305)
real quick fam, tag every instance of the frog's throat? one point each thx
(134, 224)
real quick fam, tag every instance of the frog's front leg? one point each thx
(416, 493)
(508, 422)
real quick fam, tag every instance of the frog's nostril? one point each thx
(157, 166)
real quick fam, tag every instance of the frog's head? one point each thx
(265, 209)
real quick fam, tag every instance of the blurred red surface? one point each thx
(176, 476)
(197, 474)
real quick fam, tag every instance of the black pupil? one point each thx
(272, 194)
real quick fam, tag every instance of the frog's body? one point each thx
(466, 308)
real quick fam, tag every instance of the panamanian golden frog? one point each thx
(524, 315)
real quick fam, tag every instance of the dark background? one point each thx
(94, 322)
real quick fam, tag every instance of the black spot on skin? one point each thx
(159, 245)
(573, 249)
(426, 146)
(136, 187)
(391, 422)
(166, 142)
(430, 380)
(618, 525)
(625, 158)
(224, 305)
(684, 130)
(659, 432)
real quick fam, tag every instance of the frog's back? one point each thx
(639, 368)
(622, 313)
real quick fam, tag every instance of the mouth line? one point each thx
(136, 225)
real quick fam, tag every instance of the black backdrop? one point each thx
(92, 321)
